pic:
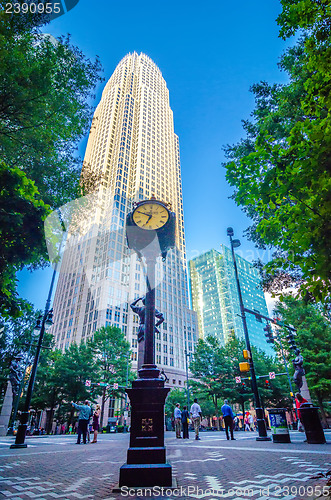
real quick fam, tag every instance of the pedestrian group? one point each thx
(85, 413)
(183, 418)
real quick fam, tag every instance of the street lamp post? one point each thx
(187, 355)
(261, 426)
(46, 321)
(126, 386)
(18, 397)
(150, 232)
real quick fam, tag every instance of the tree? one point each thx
(112, 353)
(48, 392)
(277, 392)
(215, 367)
(209, 367)
(44, 113)
(22, 213)
(280, 170)
(175, 396)
(313, 339)
(76, 365)
(44, 110)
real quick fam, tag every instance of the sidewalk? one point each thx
(54, 467)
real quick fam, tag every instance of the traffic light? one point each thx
(291, 341)
(267, 384)
(246, 354)
(269, 335)
(244, 367)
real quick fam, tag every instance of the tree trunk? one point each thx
(216, 412)
(320, 403)
(51, 415)
(50, 420)
(102, 407)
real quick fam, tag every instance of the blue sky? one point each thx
(209, 53)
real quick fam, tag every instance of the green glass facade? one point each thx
(215, 297)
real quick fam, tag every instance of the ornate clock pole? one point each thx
(150, 231)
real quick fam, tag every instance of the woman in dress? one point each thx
(95, 423)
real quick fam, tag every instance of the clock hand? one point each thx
(149, 218)
(144, 213)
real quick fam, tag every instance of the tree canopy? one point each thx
(46, 88)
(16, 336)
(22, 213)
(214, 368)
(112, 353)
(280, 170)
(44, 108)
(61, 376)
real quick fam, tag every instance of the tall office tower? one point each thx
(215, 297)
(132, 154)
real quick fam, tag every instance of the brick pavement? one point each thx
(54, 467)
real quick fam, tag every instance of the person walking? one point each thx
(95, 423)
(247, 428)
(83, 418)
(178, 421)
(251, 422)
(299, 401)
(228, 419)
(196, 417)
(185, 422)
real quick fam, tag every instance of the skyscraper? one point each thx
(215, 297)
(132, 154)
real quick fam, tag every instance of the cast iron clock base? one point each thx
(146, 457)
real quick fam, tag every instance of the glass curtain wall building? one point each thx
(215, 297)
(132, 154)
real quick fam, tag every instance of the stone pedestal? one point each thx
(146, 457)
(304, 390)
(6, 410)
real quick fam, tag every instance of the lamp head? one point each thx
(229, 231)
(236, 243)
(49, 319)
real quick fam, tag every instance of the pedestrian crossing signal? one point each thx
(244, 367)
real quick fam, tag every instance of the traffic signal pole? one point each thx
(260, 421)
(272, 320)
(276, 322)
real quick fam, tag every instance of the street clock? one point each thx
(148, 220)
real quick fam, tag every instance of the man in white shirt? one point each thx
(178, 421)
(196, 417)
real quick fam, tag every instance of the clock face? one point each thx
(150, 216)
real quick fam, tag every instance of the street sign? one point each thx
(115, 386)
(238, 380)
(88, 383)
(272, 375)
